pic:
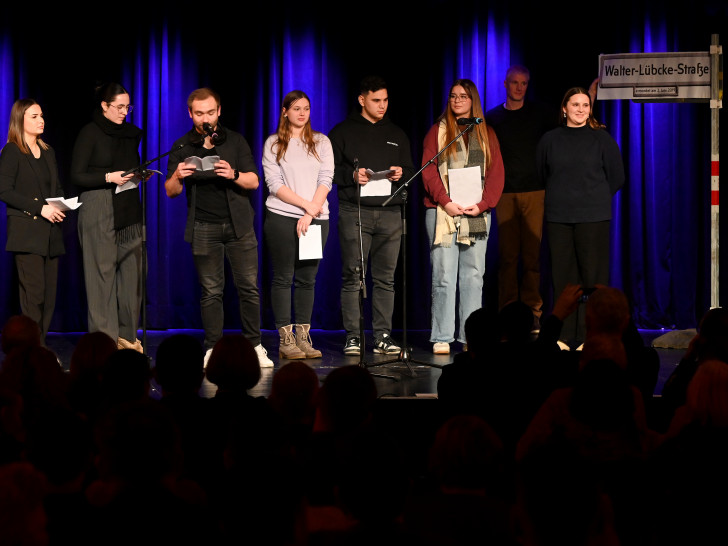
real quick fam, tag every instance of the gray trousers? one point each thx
(112, 270)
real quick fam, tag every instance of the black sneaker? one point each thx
(352, 346)
(385, 345)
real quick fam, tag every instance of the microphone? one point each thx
(209, 131)
(470, 121)
(355, 174)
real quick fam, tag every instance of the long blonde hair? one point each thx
(16, 128)
(480, 131)
(280, 144)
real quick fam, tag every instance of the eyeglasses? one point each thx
(456, 98)
(122, 107)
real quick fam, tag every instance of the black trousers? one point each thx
(579, 255)
(37, 279)
(288, 271)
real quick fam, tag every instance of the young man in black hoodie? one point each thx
(368, 147)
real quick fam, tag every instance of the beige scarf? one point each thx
(468, 228)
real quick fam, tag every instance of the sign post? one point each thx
(675, 77)
(716, 102)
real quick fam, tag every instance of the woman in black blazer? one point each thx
(29, 176)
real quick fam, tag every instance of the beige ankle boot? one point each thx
(287, 348)
(303, 341)
(122, 343)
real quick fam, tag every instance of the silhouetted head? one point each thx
(346, 398)
(19, 330)
(179, 364)
(293, 392)
(481, 331)
(466, 455)
(233, 364)
(126, 376)
(706, 394)
(91, 353)
(515, 321)
(713, 335)
(607, 312)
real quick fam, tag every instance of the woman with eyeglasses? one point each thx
(110, 219)
(458, 232)
(29, 176)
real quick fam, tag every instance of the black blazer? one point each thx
(21, 190)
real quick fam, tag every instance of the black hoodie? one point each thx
(377, 146)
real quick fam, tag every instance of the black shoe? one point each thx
(385, 345)
(352, 346)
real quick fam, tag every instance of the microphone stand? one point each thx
(406, 352)
(362, 279)
(144, 175)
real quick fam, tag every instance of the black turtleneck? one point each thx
(103, 146)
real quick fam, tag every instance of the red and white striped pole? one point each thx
(716, 103)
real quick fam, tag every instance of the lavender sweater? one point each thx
(302, 173)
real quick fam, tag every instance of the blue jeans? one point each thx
(457, 271)
(210, 244)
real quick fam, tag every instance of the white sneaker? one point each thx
(207, 357)
(263, 359)
(441, 348)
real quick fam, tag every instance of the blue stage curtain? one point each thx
(661, 240)
(8, 94)
(661, 227)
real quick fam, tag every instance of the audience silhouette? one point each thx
(710, 342)
(530, 445)
(85, 372)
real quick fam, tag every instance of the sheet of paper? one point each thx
(135, 180)
(64, 204)
(309, 245)
(466, 186)
(131, 185)
(376, 187)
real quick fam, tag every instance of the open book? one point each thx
(203, 163)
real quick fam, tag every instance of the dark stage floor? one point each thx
(394, 378)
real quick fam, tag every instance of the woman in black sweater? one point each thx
(110, 220)
(581, 166)
(29, 176)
